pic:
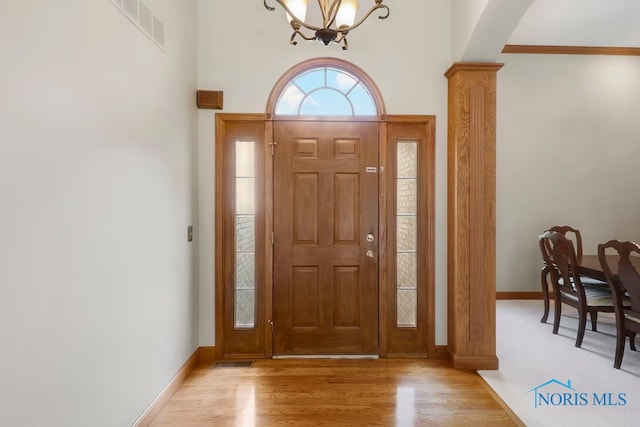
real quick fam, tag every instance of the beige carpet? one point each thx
(547, 381)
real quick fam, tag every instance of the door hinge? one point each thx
(273, 238)
(273, 147)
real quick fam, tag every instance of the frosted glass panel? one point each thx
(407, 309)
(407, 196)
(245, 195)
(245, 271)
(407, 159)
(245, 166)
(406, 271)
(245, 235)
(244, 308)
(406, 233)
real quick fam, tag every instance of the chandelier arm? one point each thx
(343, 38)
(297, 32)
(269, 8)
(364, 18)
(333, 12)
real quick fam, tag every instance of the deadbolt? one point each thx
(371, 238)
(369, 254)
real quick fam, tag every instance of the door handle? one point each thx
(369, 254)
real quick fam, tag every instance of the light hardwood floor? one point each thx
(333, 392)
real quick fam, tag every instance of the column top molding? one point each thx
(472, 66)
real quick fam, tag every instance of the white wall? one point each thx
(464, 17)
(98, 133)
(568, 148)
(406, 55)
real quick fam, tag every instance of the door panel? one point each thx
(325, 203)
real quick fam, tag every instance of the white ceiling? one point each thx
(607, 23)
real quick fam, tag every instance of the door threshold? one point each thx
(326, 356)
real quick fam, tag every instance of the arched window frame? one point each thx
(345, 67)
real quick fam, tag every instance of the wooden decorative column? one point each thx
(471, 216)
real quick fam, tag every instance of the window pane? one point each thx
(245, 159)
(326, 91)
(245, 195)
(245, 233)
(362, 101)
(406, 189)
(326, 102)
(407, 309)
(244, 308)
(245, 270)
(290, 100)
(310, 80)
(407, 159)
(406, 234)
(340, 80)
(406, 271)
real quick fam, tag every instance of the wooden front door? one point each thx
(325, 285)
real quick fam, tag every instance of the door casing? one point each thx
(393, 341)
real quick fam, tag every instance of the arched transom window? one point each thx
(326, 91)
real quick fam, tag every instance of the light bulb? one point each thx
(298, 7)
(347, 13)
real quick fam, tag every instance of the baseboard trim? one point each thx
(474, 363)
(441, 352)
(520, 295)
(208, 354)
(201, 354)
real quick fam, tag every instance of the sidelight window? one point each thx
(245, 235)
(407, 234)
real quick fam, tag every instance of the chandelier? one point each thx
(338, 18)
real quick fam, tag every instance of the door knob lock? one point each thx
(371, 238)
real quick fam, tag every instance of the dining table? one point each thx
(590, 265)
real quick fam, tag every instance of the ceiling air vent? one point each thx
(158, 31)
(145, 18)
(131, 8)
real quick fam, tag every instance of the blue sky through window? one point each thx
(326, 91)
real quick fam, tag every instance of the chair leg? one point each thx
(620, 342)
(632, 340)
(594, 320)
(545, 293)
(582, 325)
(557, 312)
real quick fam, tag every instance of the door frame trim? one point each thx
(384, 282)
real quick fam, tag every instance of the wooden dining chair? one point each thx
(625, 287)
(576, 238)
(569, 286)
